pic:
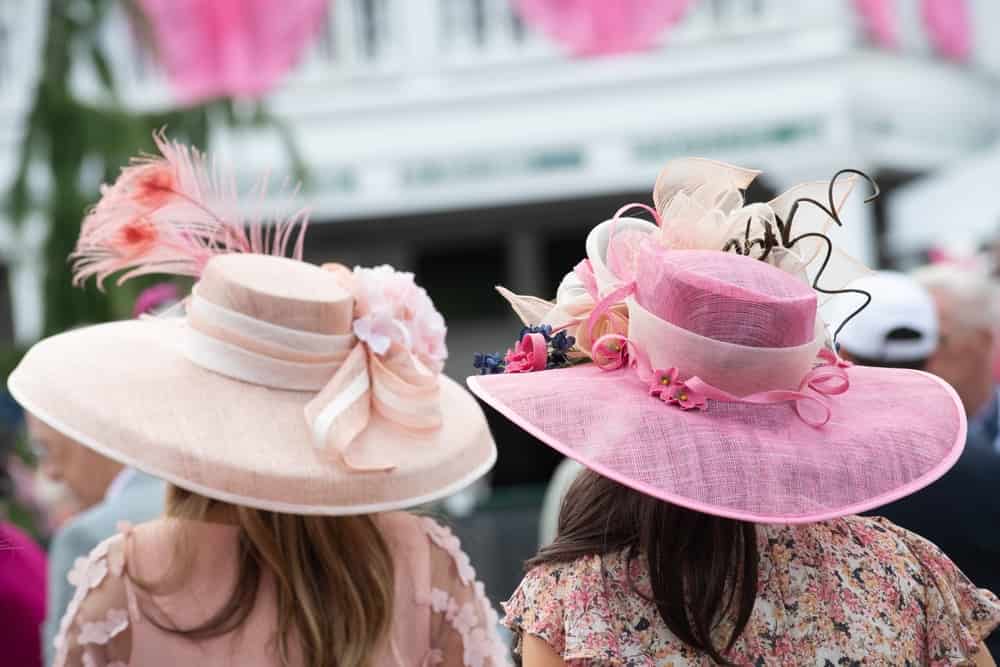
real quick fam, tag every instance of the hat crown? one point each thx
(726, 297)
(285, 292)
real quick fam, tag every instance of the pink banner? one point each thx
(599, 27)
(239, 48)
(948, 27)
(879, 20)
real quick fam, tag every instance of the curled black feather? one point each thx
(784, 238)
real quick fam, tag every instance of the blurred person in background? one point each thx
(22, 577)
(106, 492)
(942, 321)
(899, 329)
(966, 302)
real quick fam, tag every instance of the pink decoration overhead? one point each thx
(948, 27)
(879, 20)
(237, 48)
(599, 27)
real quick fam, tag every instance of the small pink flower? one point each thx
(687, 398)
(663, 382)
(529, 354)
(88, 573)
(613, 322)
(439, 600)
(610, 352)
(392, 309)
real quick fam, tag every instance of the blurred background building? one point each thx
(454, 139)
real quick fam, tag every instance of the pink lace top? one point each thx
(441, 615)
(853, 591)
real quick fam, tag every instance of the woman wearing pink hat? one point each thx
(293, 410)
(727, 450)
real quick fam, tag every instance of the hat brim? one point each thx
(892, 433)
(125, 390)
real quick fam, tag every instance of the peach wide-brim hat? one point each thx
(261, 395)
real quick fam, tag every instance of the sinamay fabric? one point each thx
(759, 463)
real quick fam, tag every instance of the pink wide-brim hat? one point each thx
(776, 429)
(204, 401)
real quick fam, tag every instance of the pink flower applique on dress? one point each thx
(445, 539)
(89, 572)
(101, 632)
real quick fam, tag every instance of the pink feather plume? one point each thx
(171, 214)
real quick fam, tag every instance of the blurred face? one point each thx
(964, 358)
(86, 473)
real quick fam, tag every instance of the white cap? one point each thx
(898, 302)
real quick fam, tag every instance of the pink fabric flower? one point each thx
(392, 309)
(466, 619)
(446, 540)
(439, 600)
(687, 398)
(610, 352)
(663, 383)
(529, 354)
(101, 632)
(613, 321)
(477, 648)
(155, 297)
(88, 573)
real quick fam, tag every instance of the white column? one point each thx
(27, 280)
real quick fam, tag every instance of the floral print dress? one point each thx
(846, 592)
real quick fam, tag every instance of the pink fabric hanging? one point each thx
(948, 27)
(230, 47)
(879, 20)
(598, 27)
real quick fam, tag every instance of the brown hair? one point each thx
(333, 578)
(703, 569)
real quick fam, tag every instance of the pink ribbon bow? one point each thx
(396, 386)
(827, 379)
(350, 380)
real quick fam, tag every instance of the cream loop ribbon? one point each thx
(349, 380)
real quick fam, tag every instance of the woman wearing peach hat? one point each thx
(293, 410)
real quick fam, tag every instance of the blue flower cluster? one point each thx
(559, 345)
(487, 364)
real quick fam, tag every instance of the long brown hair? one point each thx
(333, 578)
(702, 569)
